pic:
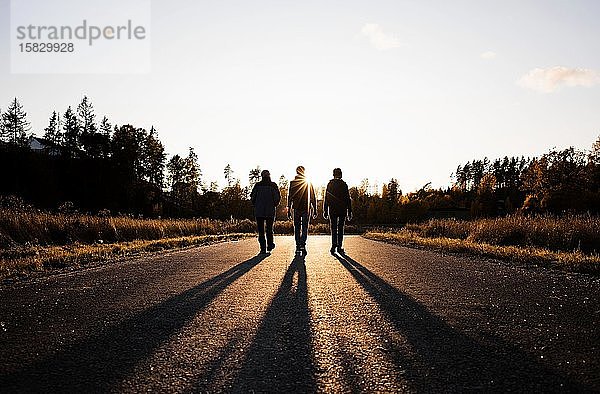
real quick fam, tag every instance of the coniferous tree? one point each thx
(71, 133)
(53, 132)
(105, 134)
(91, 141)
(175, 172)
(87, 118)
(183, 177)
(254, 176)
(14, 125)
(105, 127)
(154, 158)
(176, 179)
(193, 173)
(594, 155)
(127, 149)
(228, 172)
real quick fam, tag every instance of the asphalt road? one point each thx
(219, 318)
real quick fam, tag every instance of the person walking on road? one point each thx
(265, 197)
(337, 207)
(303, 202)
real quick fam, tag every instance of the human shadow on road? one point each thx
(105, 358)
(279, 358)
(446, 359)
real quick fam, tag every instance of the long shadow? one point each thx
(448, 359)
(279, 358)
(105, 358)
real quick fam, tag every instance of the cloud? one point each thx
(547, 80)
(379, 39)
(488, 55)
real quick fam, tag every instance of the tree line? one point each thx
(558, 182)
(93, 166)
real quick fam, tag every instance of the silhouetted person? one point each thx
(302, 199)
(337, 207)
(265, 197)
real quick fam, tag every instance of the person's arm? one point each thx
(276, 194)
(313, 200)
(348, 201)
(289, 202)
(253, 195)
(289, 199)
(326, 201)
(347, 198)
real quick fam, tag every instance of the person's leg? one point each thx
(340, 234)
(260, 224)
(333, 228)
(270, 243)
(297, 222)
(304, 235)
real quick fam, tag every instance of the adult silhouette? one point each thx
(337, 207)
(303, 202)
(265, 197)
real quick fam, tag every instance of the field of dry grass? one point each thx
(34, 241)
(571, 242)
(23, 261)
(32, 228)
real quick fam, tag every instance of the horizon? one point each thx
(382, 90)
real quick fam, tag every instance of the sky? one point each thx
(382, 89)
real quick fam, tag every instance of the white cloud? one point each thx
(488, 55)
(547, 80)
(380, 39)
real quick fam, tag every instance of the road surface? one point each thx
(219, 318)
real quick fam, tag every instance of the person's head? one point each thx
(300, 170)
(337, 173)
(265, 174)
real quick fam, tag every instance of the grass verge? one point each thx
(24, 261)
(575, 261)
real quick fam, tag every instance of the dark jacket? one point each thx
(337, 198)
(265, 197)
(298, 194)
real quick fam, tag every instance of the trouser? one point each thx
(337, 229)
(260, 224)
(301, 220)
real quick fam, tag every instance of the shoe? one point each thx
(270, 247)
(263, 251)
(341, 251)
(332, 250)
(303, 251)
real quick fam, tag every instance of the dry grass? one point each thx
(41, 228)
(575, 261)
(35, 241)
(22, 261)
(560, 234)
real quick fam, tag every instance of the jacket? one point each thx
(265, 197)
(298, 195)
(337, 198)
